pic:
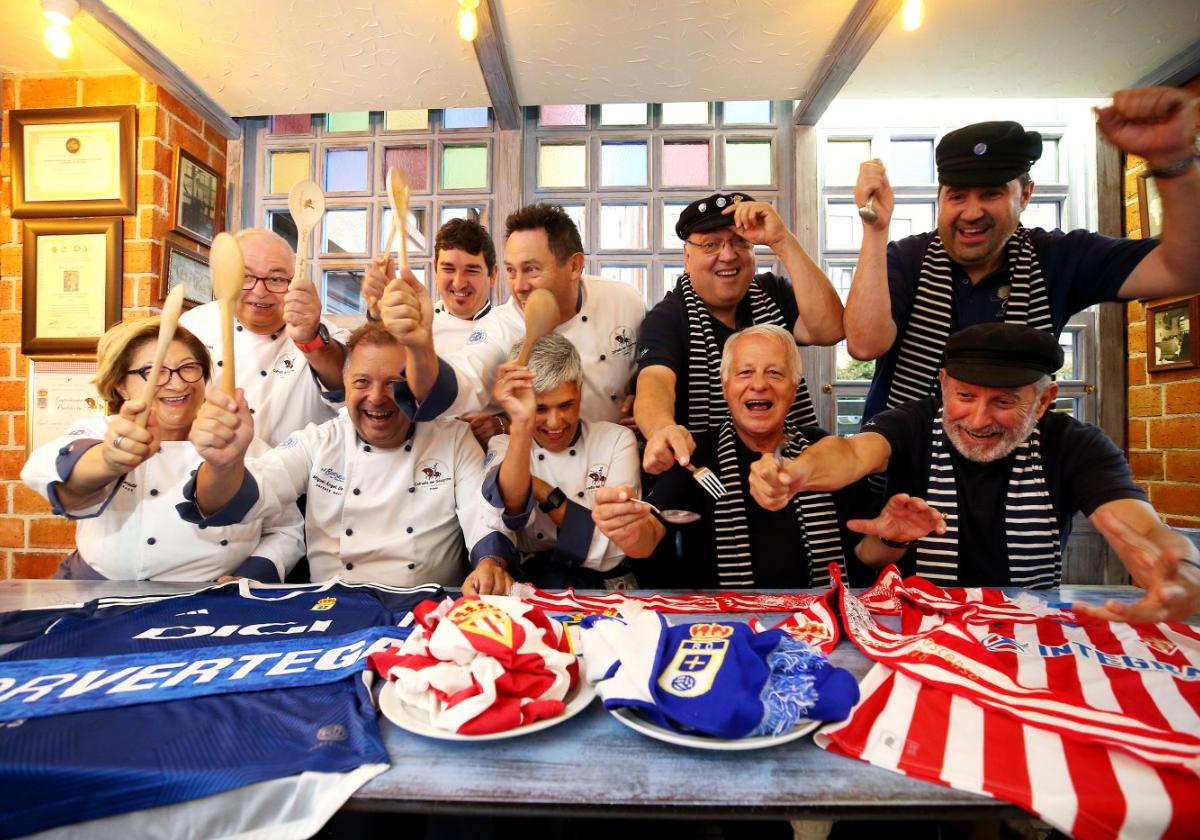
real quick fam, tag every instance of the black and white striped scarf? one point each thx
(1030, 526)
(924, 339)
(815, 512)
(706, 400)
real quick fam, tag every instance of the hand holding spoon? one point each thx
(172, 306)
(672, 516)
(867, 211)
(306, 203)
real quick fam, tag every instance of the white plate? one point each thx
(416, 720)
(638, 722)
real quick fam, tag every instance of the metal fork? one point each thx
(708, 480)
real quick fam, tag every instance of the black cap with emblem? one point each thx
(1000, 355)
(986, 154)
(705, 214)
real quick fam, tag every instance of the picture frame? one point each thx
(197, 196)
(74, 162)
(1149, 206)
(60, 391)
(1171, 333)
(71, 289)
(182, 265)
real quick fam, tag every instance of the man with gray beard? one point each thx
(1005, 473)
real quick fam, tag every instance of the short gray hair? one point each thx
(262, 233)
(787, 343)
(554, 362)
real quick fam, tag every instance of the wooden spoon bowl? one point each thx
(228, 275)
(306, 202)
(541, 317)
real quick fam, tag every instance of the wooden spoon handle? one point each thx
(228, 384)
(151, 388)
(526, 349)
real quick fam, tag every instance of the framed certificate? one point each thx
(71, 291)
(60, 392)
(74, 162)
(181, 265)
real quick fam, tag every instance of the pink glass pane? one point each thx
(413, 161)
(563, 115)
(685, 164)
(291, 124)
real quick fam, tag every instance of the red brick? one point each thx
(12, 532)
(10, 294)
(1135, 310)
(180, 111)
(1183, 466)
(1174, 433)
(1178, 499)
(12, 395)
(25, 500)
(58, 92)
(11, 461)
(1137, 337)
(156, 156)
(180, 134)
(137, 257)
(22, 365)
(19, 430)
(6, 356)
(1137, 370)
(1145, 401)
(1146, 466)
(11, 261)
(1135, 432)
(151, 122)
(125, 89)
(10, 93)
(1183, 398)
(1182, 521)
(10, 328)
(152, 190)
(35, 564)
(51, 532)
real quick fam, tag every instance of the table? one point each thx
(591, 765)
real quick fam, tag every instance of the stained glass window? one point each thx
(562, 165)
(347, 121)
(563, 115)
(627, 113)
(285, 124)
(287, 167)
(623, 163)
(685, 113)
(416, 119)
(464, 166)
(465, 118)
(685, 163)
(413, 161)
(748, 163)
(346, 170)
(756, 112)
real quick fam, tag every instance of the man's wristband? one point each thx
(553, 501)
(895, 544)
(1176, 169)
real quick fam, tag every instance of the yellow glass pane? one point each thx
(748, 162)
(562, 165)
(286, 169)
(842, 159)
(416, 119)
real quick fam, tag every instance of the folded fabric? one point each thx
(481, 664)
(717, 678)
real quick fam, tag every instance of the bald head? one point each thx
(267, 257)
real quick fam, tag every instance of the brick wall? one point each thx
(32, 540)
(1164, 406)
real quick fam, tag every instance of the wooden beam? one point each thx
(497, 75)
(1176, 71)
(862, 28)
(127, 44)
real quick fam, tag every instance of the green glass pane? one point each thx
(286, 169)
(562, 165)
(344, 121)
(464, 167)
(411, 120)
(685, 113)
(748, 162)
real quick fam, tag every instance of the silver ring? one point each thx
(116, 441)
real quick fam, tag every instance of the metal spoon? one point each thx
(867, 211)
(672, 516)
(306, 203)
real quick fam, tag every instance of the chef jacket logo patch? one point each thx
(477, 337)
(483, 619)
(597, 476)
(621, 342)
(286, 366)
(694, 668)
(432, 474)
(325, 604)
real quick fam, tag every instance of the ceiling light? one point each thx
(911, 14)
(60, 12)
(465, 22)
(58, 41)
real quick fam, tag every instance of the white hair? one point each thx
(554, 362)
(262, 233)
(787, 343)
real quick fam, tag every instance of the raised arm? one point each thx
(125, 446)
(667, 442)
(407, 311)
(302, 313)
(221, 433)
(829, 464)
(514, 393)
(870, 330)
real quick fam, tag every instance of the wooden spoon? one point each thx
(541, 316)
(397, 188)
(307, 205)
(172, 306)
(228, 275)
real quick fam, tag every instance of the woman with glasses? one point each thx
(121, 482)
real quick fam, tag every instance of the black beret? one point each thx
(1000, 355)
(986, 154)
(705, 214)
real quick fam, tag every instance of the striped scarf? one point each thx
(1031, 528)
(924, 338)
(814, 511)
(704, 360)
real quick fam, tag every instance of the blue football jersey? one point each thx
(86, 765)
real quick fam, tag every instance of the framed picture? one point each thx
(71, 292)
(59, 393)
(1170, 327)
(74, 162)
(196, 194)
(1149, 205)
(182, 265)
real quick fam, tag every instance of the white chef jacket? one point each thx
(602, 454)
(451, 333)
(281, 389)
(136, 532)
(392, 516)
(604, 331)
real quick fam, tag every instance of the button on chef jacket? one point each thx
(604, 331)
(135, 532)
(602, 455)
(451, 333)
(281, 389)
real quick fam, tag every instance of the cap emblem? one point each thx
(980, 148)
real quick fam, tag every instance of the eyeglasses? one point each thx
(712, 247)
(272, 284)
(189, 372)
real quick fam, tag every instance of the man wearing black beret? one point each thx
(679, 347)
(987, 479)
(981, 265)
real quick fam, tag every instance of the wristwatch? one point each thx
(896, 543)
(553, 501)
(321, 339)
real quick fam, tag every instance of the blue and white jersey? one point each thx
(90, 764)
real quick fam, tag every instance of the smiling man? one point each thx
(981, 265)
(1004, 473)
(390, 496)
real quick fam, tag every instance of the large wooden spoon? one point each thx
(397, 188)
(541, 316)
(306, 203)
(172, 306)
(228, 275)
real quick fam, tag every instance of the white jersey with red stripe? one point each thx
(1094, 726)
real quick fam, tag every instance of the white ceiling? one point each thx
(289, 56)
